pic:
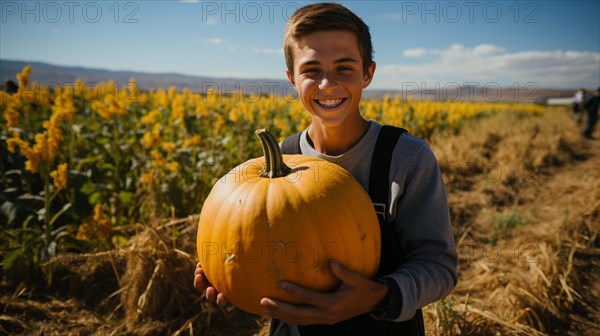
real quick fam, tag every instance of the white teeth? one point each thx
(330, 102)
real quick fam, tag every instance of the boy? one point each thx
(329, 62)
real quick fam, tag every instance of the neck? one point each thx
(337, 140)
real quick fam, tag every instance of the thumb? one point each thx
(346, 275)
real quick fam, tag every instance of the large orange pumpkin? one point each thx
(265, 222)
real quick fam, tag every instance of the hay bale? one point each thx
(144, 288)
(90, 278)
(154, 285)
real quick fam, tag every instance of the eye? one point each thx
(310, 72)
(345, 68)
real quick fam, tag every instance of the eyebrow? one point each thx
(341, 60)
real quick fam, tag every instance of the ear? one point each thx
(290, 77)
(369, 75)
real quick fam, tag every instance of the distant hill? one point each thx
(54, 75)
(482, 93)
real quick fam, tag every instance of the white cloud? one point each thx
(487, 63)
(189, 1)
(416, 52)
(488, 49)
(214, 40)
(267, 51)
(209, 21)
(224, 43)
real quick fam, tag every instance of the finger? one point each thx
(306, 295)
(200, 280)
(269, 306)
(211, 294)
(221, 300)
(346, 275)
(290, 313)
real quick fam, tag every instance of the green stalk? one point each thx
(274, 165)
(117, 157)
(47, 201)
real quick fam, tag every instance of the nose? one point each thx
(328, 85)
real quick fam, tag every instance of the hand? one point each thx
(355, 296)
(201, 283)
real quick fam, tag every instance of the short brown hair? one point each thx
(326, 16)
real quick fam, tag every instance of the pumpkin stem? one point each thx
(274, 165)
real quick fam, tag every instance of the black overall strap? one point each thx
(291, 144)
(379, 191)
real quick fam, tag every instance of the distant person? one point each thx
(592, 107)
(9, 86)
(577, 104)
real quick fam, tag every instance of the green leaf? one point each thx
(126, 197)
(30, 197)
(14, 172)
(60, 212)
(64, 228)
(12, 259)
(51, 250)
(9, 211)
(40, 214)
(94, 197)
(119, 240)
(102, 141)
(107, 166)
(26, 221)
(88, 188)
(87, 160)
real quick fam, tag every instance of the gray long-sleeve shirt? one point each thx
(420, 209)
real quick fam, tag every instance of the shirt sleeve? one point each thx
(428, 270)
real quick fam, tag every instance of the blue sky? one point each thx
(428, 44)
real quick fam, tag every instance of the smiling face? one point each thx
(329, 78)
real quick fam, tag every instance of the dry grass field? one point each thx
(525, 201)
(524, 194)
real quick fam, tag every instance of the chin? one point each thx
(327, 121)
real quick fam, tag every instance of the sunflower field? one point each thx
(81, 166)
